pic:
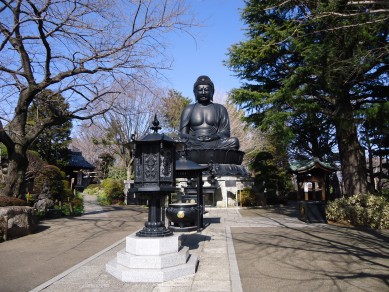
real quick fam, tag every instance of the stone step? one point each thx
(132, 261)
(152, 245)
(125, 274)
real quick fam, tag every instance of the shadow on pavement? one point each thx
(211, 220)
(193, 240)
(61, 243)
(314, 258)
(290, 210)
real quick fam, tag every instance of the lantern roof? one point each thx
(183, 164)
(155, 137)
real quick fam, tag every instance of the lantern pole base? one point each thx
(154, 232)
(155, 227)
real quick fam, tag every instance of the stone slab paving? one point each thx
(213, 272)
(256, 250)
(62, 243)
(321, 257)
(217, 269)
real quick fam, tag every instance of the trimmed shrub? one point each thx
(247, 197)
(51, 181)
(91, 189)
(273, 199)
(360, 210)
(11, 201)
(112, 192)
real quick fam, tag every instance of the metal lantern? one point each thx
(189, 169)
(155, 157)
(155, 162)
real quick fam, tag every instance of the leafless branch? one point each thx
(78, 49)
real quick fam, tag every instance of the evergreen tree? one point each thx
(375, 138)
(314, 136)
(171, 108)
(52, 144)
(304, 58)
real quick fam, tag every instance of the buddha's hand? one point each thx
(205, 138)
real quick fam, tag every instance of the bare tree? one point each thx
(84, 138)
(76, 49)
(130, 117)
(251, 139)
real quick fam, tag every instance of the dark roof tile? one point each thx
(78, 161)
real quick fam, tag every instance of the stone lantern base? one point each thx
(148, 259)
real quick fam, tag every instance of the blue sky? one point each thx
(221, 28)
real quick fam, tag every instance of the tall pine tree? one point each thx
(327, 57)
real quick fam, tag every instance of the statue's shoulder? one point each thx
(219, 106)
(190, 105)
(187, 110)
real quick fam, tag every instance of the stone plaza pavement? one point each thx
(257, 250)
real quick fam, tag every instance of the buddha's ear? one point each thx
(194, 91)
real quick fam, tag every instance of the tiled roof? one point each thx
(78, 161)
(306, 165)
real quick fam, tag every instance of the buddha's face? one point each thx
(204, 93)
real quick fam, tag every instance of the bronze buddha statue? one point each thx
(204, 124)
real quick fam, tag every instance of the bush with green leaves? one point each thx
(384, 193)
(74, 206)
(112, 192)
(92, 189)
(360, 210)
(272, 198)
(52, 180)
(117, 173)
(247, 197)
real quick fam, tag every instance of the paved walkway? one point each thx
(59, 244)
(248, 250)
(217, 270)
(318, 257)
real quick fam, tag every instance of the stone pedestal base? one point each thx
(17, 221)
(152, 260)
(229, 188)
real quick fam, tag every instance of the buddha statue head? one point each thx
(203, 89)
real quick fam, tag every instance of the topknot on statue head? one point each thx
(204, 80)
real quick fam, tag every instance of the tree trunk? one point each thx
(351, 154)
(129, 167)
(379, 184)
(17, 167)
(371, 166)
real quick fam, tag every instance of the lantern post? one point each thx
(154, 253)
(154, 162)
